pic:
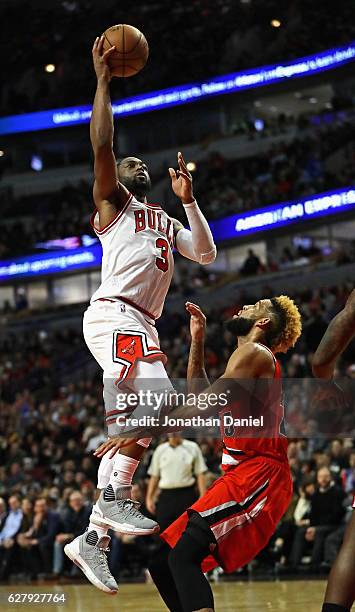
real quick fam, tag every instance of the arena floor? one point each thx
(287, 596)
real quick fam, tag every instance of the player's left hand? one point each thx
(113, 444)
(181, 181)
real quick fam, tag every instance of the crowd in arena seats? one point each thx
(34, 359)
(200, 39)
(49, 430)
(285, 172)
(222, 186)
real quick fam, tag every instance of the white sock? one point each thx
(101, 530)
(123, 471)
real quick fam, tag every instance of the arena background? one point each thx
(272, 154)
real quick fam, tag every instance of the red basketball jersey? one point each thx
(271, 443)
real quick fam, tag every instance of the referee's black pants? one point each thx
(172, 503)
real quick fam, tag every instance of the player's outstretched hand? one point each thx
(100, 58)
(181, 181)
(113, 444)
(197, 321)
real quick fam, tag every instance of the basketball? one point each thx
(131, 49)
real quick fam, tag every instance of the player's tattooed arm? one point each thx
(197, 379)
(107, 192)
(338, 335)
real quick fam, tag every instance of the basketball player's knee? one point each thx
(178, 557)
(193, 546)
(144, 442)
(158, 564)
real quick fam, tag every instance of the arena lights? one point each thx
(191, 166)
(49, 263)
(275, 23)
(251, 222)
(50, 68)
(285, 213)
(36, 163)
(184, 94)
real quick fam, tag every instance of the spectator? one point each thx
(348, 475)
(37, 543)
(27, 515)
(8, 533)
(176, 467)
(296, 516)
(332, 544)
(326, 512)
(12, 544)
(73, 522)
(252, 264)
(3, 512)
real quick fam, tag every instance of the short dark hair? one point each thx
(17, 495)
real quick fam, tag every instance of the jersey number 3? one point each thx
(162, 262)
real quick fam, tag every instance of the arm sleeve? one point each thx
(198, 243)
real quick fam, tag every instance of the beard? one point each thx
(240, 326)
(137, 185)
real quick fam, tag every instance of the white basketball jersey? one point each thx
(137, 258)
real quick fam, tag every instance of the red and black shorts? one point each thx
(242, 508)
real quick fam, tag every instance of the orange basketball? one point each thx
(131, 49)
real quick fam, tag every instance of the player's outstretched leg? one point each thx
(115, 507)
(185, 561)
(340, 593)
(88, 552)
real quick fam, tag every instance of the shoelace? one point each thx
(103, 560)
(134, 507)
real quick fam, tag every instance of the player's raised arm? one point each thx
(338, 335)
(196, 374)
(109, 195)
(198, 243)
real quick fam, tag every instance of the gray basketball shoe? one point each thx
(122, 514)
(88, 552)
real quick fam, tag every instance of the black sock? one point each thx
(329, 607)
(185, 563)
